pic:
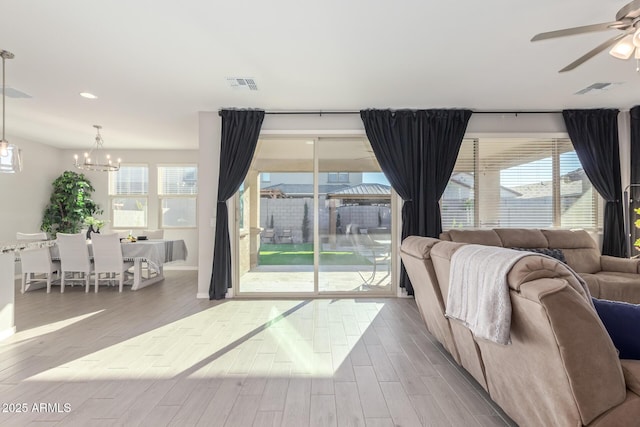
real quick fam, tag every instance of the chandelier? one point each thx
(10, 154)
(92, 162)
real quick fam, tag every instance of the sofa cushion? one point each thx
(580, 250)
(583, 260)
(631, 371)
(622, 321)
(418, 247)
(592, 283)
(522, 238)
(553, 253)
(569, 239)
(619, 286)
(478, 237)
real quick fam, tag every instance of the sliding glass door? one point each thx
(314, 217)
(354, 215)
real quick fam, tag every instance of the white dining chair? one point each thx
(37, 266)
(107, 258)
(31, 236)
(153, 234)
(74, 258)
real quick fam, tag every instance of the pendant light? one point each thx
(10, 154)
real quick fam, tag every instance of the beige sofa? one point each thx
(561, 368)
(608, 277)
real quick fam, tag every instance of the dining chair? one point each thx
(31, 236)
(74, 258)
(36, 262)
(153, 234)
(107, 258)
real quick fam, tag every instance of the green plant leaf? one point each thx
(70, 203)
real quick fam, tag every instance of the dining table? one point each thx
(148, 257)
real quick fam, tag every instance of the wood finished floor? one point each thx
(160, 357)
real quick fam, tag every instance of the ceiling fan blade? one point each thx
(593, 52)
(577, 30)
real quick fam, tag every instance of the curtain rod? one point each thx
(320, 113)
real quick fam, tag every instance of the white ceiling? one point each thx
(155, 64)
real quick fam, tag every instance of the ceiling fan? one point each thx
(624, 44)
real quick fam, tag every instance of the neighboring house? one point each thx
(282, 190)
(460, 187)
(527, 205)
(268, 179)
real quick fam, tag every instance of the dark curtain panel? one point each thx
(417, 150)
(634, 190)
(594, 134)
(240, 130)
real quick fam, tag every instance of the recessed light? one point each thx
(88, 95)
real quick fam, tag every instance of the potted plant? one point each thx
(70, 203)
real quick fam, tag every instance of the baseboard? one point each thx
(7, 333)
(202, 295)
(402, 293)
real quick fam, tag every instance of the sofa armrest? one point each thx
(621, 265)
(631, 371)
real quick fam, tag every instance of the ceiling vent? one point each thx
(242, 83)
(14, 93)
(596, 88)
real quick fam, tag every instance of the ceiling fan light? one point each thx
(636, 38)
(624, 48)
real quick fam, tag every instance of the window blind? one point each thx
(129, 180)
(177, 180)
(528, 183)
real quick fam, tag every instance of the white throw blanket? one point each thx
(478, 290)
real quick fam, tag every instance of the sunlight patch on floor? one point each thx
(303, 337)
(49, 327)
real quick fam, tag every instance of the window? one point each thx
(519, 183)
(338, 177)
(128, 191)
(265, 177)
(178, 190)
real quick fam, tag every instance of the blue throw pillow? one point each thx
(622, 321)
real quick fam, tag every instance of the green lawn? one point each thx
(302, 254)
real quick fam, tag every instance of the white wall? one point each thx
(209, 127)
(25, 194)
(151, 158)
